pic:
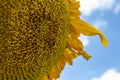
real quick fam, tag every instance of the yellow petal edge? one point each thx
(74, 46)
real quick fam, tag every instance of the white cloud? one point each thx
(89, 6)
(110, 74)
(117, 8)
(100, 23)
(84, 40)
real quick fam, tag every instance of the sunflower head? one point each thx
(33, 35)
(37, 38)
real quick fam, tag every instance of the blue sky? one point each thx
(105, 62)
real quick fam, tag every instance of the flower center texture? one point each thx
(33, 35)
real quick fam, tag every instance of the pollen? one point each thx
(38, 37)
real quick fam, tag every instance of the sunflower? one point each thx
(38, 37)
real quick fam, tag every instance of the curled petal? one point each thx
(84, 54)
(89, 30)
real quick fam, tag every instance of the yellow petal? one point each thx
(68, 59)
(55, 71)
(74, 12)
(74, 32)
(75, 43)
(89, 30)
(72, 53)
(84, 54)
